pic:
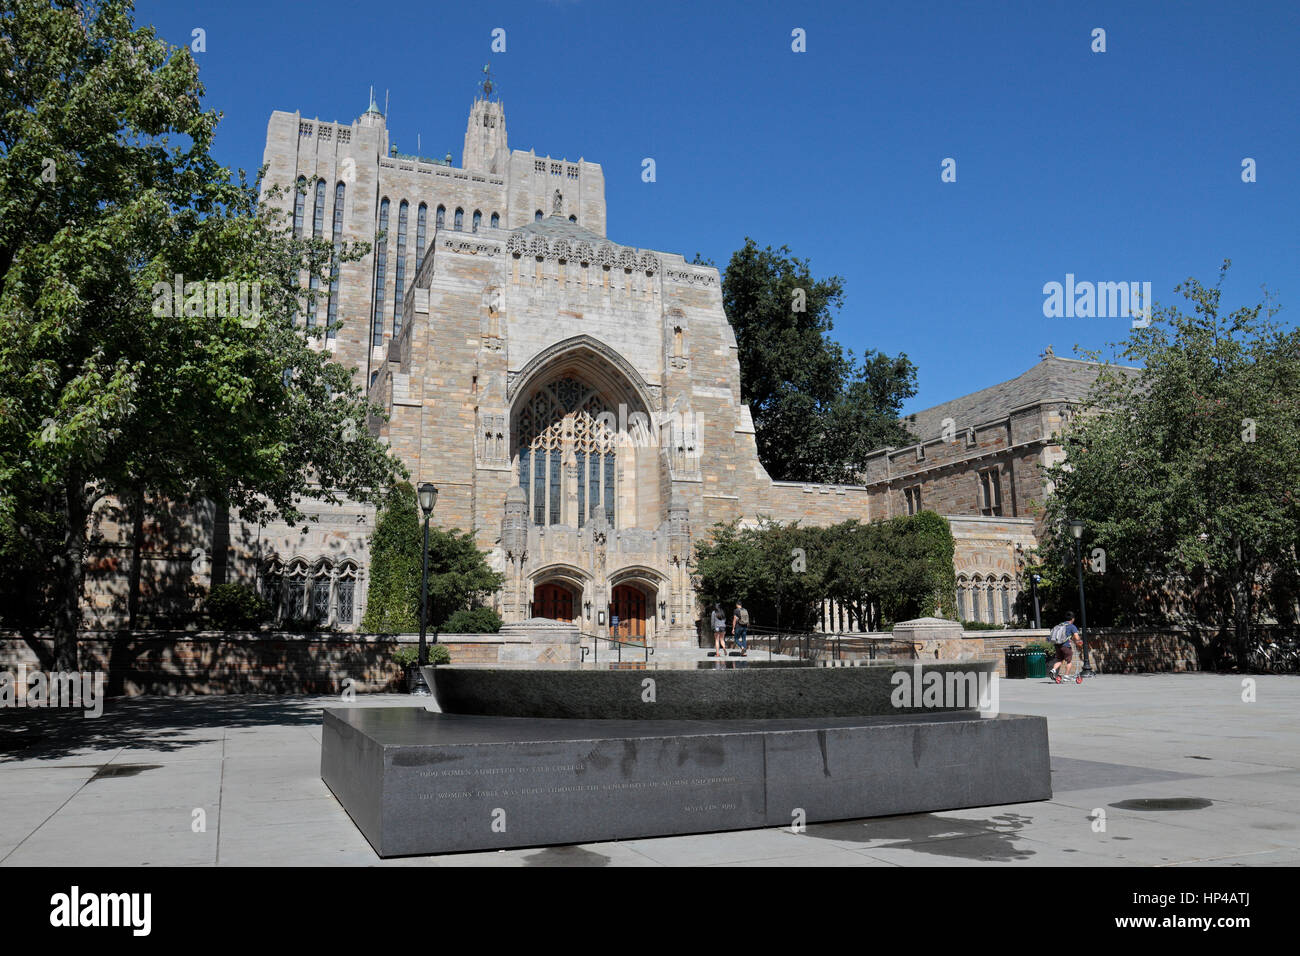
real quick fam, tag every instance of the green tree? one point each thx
(393, 594)
(107, 388)
(459, 576)
(886, 571)
(1187, 475)
(817, 412)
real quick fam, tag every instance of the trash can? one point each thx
(1015, 656)
(1035, 663)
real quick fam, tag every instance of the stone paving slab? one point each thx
(253, 764)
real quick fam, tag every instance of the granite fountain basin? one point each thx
(709, 693)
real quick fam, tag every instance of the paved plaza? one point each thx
(1185, 770)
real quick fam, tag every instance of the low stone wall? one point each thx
(1140, 652)
(220, 662)
(1113, 651)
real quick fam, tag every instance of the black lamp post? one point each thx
(428, 496)
(1033, 586)
(1076, 532)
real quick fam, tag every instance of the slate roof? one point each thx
(557, 227)
(1052, 378)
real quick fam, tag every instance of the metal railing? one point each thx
(644, 646)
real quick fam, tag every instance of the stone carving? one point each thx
(560, 250)
(649, 263)
(691, 278)
(583, 252)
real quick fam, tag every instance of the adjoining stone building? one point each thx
(577, 400)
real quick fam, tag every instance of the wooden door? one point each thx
(628, 605)
(554, 601)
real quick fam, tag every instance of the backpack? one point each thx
(1059, 634)
(744, 617)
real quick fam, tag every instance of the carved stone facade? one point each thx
(577, 401)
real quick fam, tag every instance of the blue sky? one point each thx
(1115, 166)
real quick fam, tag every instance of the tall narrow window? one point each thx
(400, 271)
(440, 219)
(990, 492)
(299, 201)
(478, 219)
(421, 225)
(496, 221)
(580, 458)
(539, 488)
(459, 222)
(381, 269)
(537, 216)
(318, 212)
(317, 232)
(609, 488)
(332, 315)
(555, 485)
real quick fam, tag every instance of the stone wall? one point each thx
(210, 662)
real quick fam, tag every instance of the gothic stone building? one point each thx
(577, 400)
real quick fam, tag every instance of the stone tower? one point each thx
(485, 135)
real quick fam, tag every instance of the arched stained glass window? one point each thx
(441, 218)
(459, 223)
(496, 221)
(567, 450)
(478, 219)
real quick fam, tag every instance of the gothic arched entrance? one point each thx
(630, 605)
(556, 601)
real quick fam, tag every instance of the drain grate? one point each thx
(1164, 803)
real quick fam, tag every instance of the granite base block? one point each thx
(415, 782)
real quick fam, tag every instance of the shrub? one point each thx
(236, 607)
(479, 620)
(407, 654)
(981, 626)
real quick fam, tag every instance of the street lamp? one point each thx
(1076, 532)
(428, 496)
